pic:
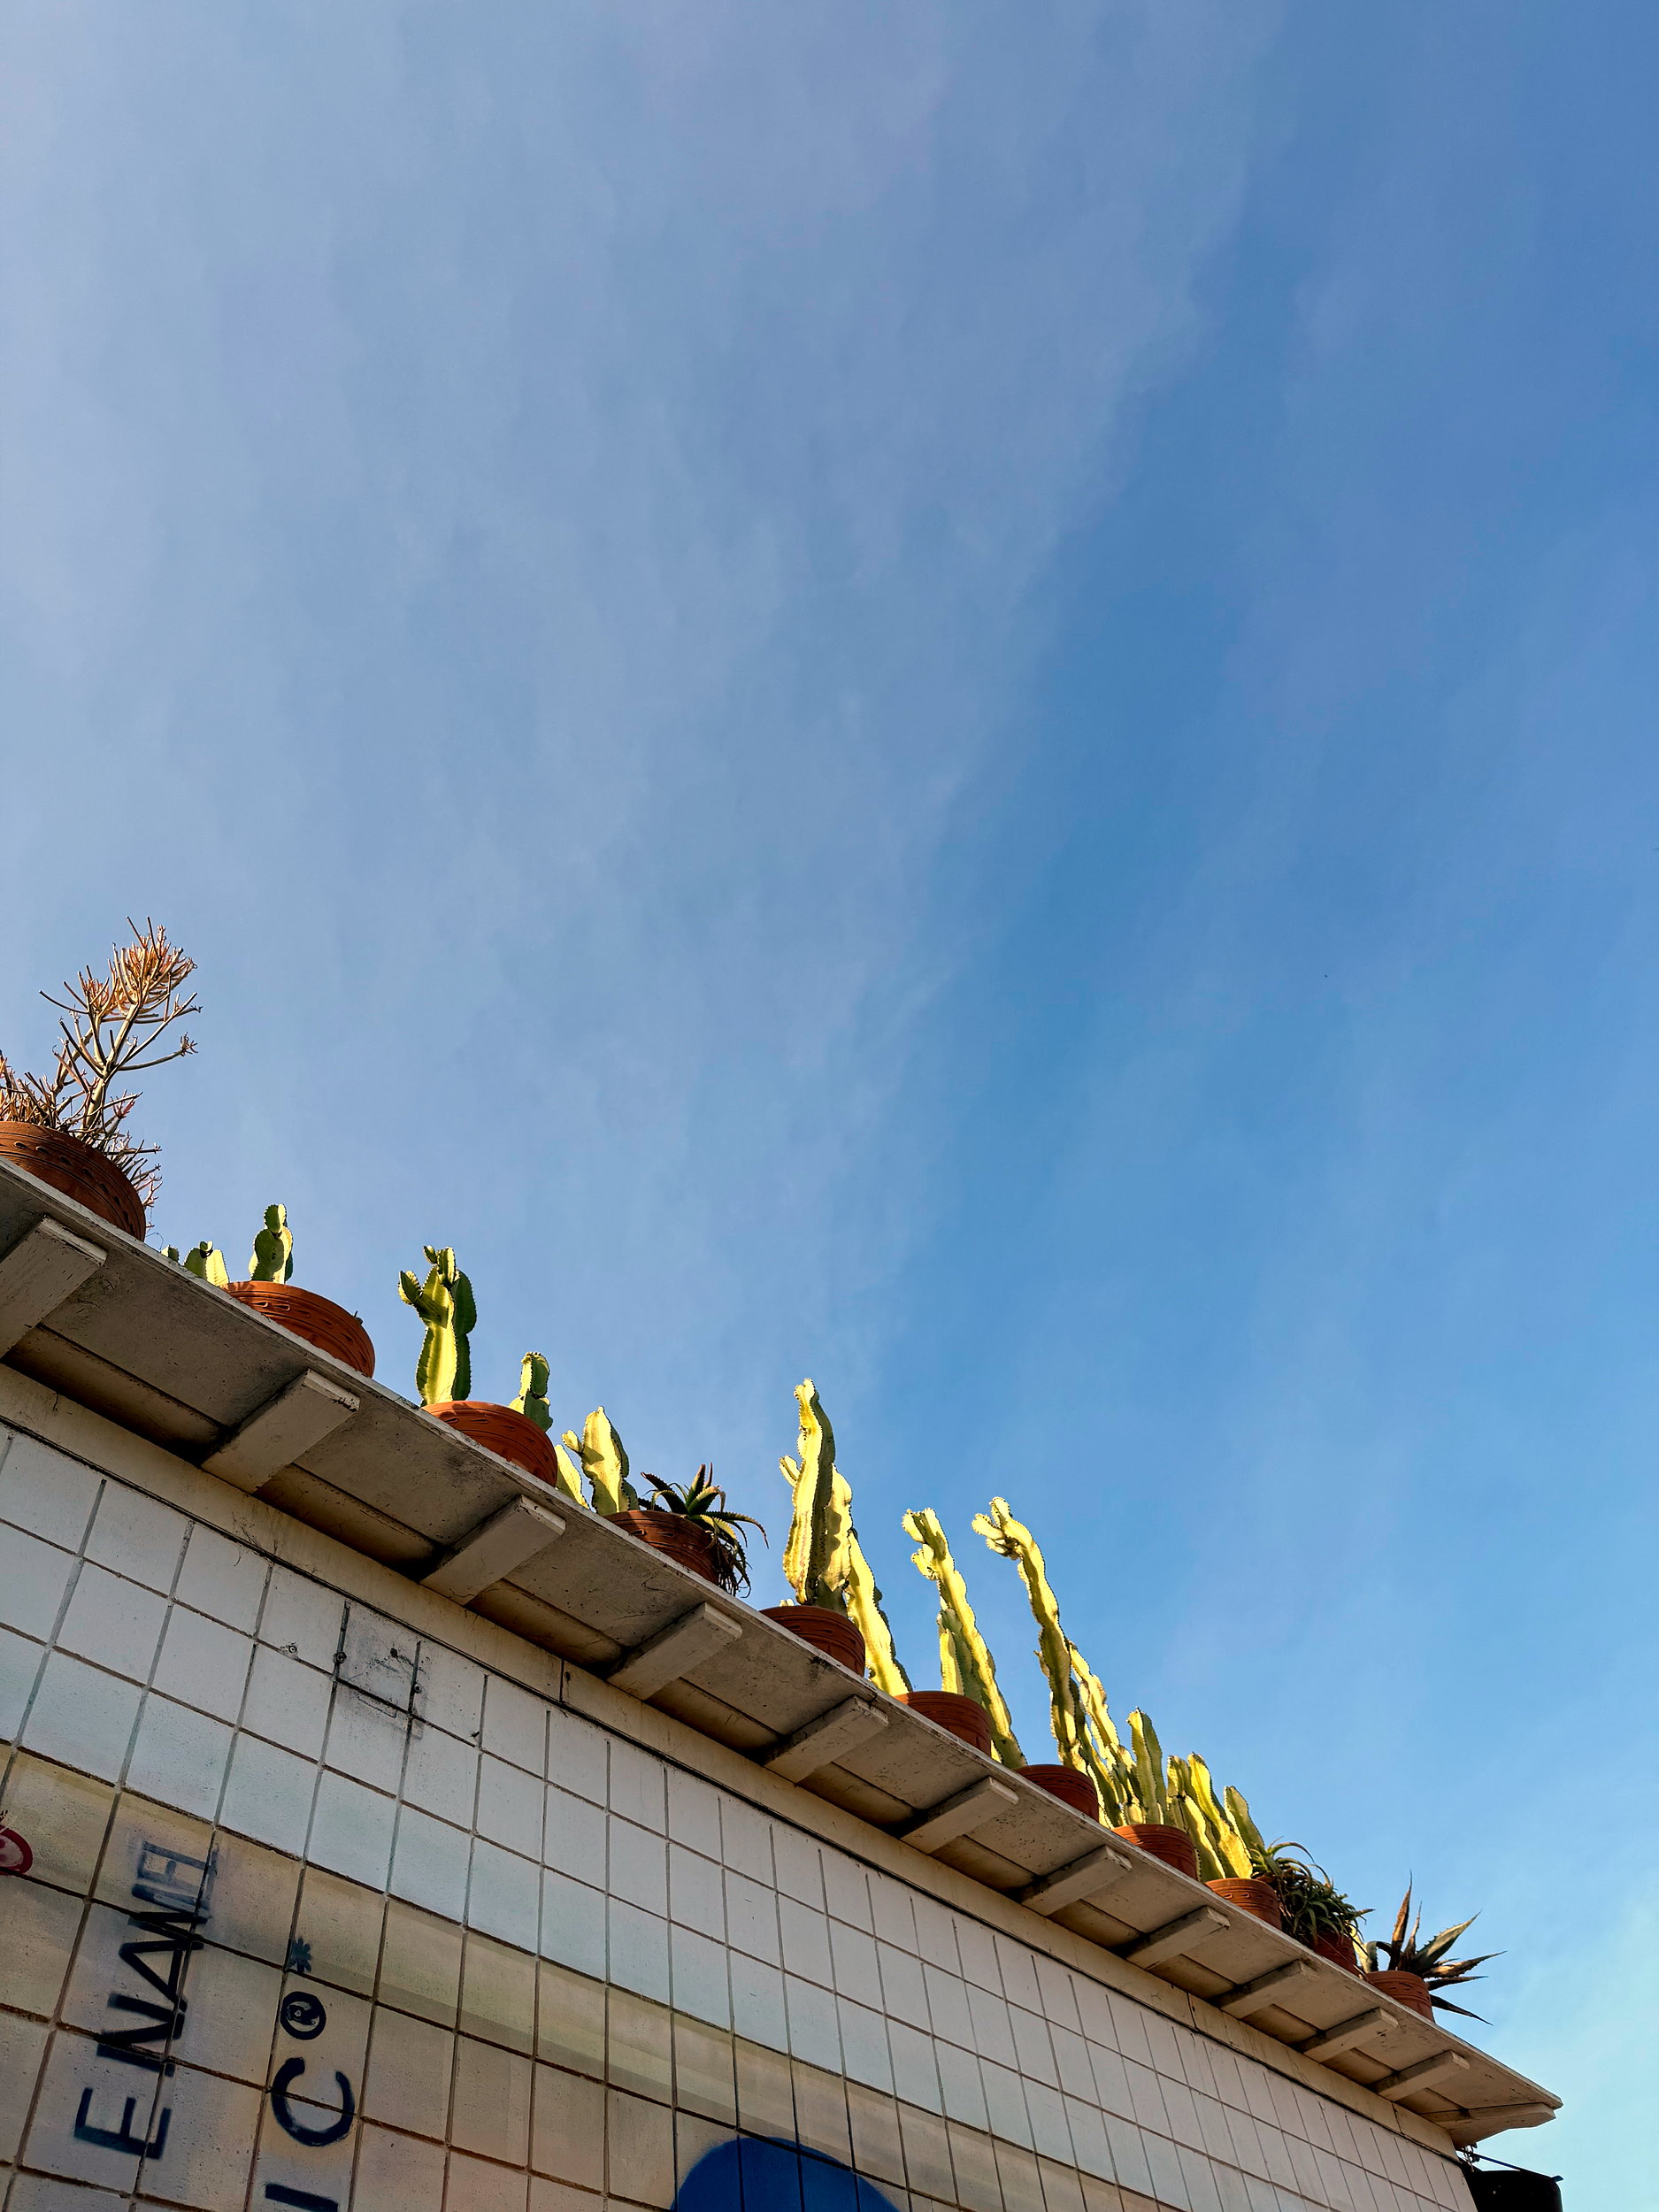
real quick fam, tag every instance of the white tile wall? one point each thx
(138, 1648)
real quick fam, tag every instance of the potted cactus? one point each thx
(443, 1374)
(69, 1129)
(817, 1558)
(968, 1703)
(691, 1523)
(271, 1290)
(1076, 1779)
(1417, 1971)
(1229, 1844)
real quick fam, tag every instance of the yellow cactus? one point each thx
(965, 1663)
(815, 1559)
(604, 1462)
(864, 1609)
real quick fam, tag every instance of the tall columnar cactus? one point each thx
(444, 1303)
(206, 1261)
(964, 1657)
(816, 1564)
(531, 1399)
(273, 1259)
(1012, 1540)
(864, 1609)
(1229, 1843)
(604, 1463)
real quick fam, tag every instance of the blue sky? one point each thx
(955, 697)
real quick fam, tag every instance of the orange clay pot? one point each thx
(685, 1543)
(1173, 1845)
(957, 1716)
(77, 1171)
(502, 1430)
(1405, 1989)
(321, 1322)
(832, 1633)
(1338, 1949)
(1070, 1787)
(1253, 1896)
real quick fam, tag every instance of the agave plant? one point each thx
(702, 1502)
(1406, 1953)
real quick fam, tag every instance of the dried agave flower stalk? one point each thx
(111, 1028)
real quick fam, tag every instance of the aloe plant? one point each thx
(1406, 1953)
(703, 1502)
(273, 1259)
(444, 1303)
(604, 1463)
(965, 1664)
(1311, 1905)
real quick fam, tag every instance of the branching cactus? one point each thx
(208, 1261)
(1012, 1540)
(816, 1562)
(604, 1463)
(273, 1259)
(966, 1663)
(866, 1610)
(531, 1399)
(1105, 1759)
(1228, 1841)
(444, 1303)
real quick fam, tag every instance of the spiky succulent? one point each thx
(1309, 1901)
(703, 1502)
(1406, 1953)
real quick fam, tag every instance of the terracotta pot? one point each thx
(957, 1716)
(1173, 1845)
(77, 1171)
(685, 1543)
(502, 1430)
(832, 1633)
(1338, 1949)
(1070, 1787)
(1253, 1895)
(318, 1320)
(1405, 1989)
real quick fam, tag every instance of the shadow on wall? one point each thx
(755, 2177)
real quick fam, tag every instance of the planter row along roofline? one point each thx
(115, 1326)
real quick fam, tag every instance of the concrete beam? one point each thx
(1424, 2074)
(44, 1267)
(959, 1815)
(310, 1408)
(1182, 1935)
(822, 1742)
(1087, 1877)
(1265, 1989)
(675, 1650)
(494, 1548)
(1346, 2036)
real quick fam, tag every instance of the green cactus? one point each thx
(965, 1663)
(444, 1303)
(206, 1261)
(816, 1564)
(531, 1399)
(1011, 1539)
(865, 1611)
(605, 1464)
(273, 1259)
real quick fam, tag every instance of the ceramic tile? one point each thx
(874, 2122)
(638, 1792)
(233, 2002)
(179, 1757)
(572, 1929)
(993, 2033)
(287, 1702)
(757, 2006)
(639, 2150)
(962, 2087)
(695, 1891)
(751, 1918)
(576, 1756)
(853, 1955)
(1095, 2013)
(429, 1863)
(694, 1813)
(1058, 1992)
(638, 1950)
(1049, 2133)
(704, 2080)
(509, 1807)
(210, 2141)
(568, 2137)
(112, 1622)
(559, 2196)
(694, 2138)
(821, 2112)
(45, 1491)
(1005, 2102)
(38, 2192)
(351, 1829)
(20, 1662)
(476, 2185)
(137, 1536)
(337, 1930)
(746, 1840)
(1213, 2129)
(76, 2087)
(698, 1970)
(915, 2068)
(640, 2048)
(1182, 2113)
(451, 1693)
(65, 1817)
(498, 1994)
(37, 1939)
(253, 1898)
(978, 2185)
(367, 1740)
(33, 1579)
(573, 1836)
(570, 2019)
(1089, 2145)
(1169, 2183)
(903, 1988)
(503, 1895)
(268, 1795)
(515, 1726)
(1018, 2176)
(378, 1658)
(398, 2173)
(1129, 2023)
(82, 1718)
(302, 1619)
(440, 1776)
(891, 1916)
(1061, 2186)
(765, 2091)
(222, 1578)
(948, 2005)
(814, 2030)
(420, 1963)
(864, 2035)
(1129, 2158)
(638, 1868)
(927, 2167)
(490, 2113)
(806, 1948)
